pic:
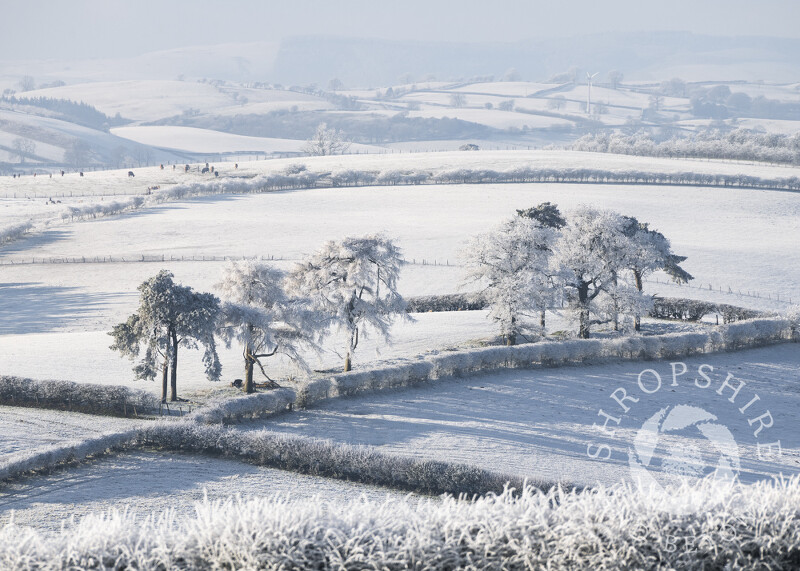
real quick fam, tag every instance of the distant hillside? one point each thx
(369, 62)
(640, 56)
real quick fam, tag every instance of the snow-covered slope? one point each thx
(149, 100)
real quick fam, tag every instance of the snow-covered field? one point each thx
(150, 482)
(25, 430)
(207, 141)
(66, 309)
(539, 424)
(54, 318)
(149, 100)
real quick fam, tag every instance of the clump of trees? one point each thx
(738, 144)
(595, 260)
(348, 285)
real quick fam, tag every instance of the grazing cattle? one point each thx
(130, 174)
(216, 173)
(205, 170)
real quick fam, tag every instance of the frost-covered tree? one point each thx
(354, 283)
(647, 251)
(325, 142)
(615, 78)
(169, 316)
(257, 313)
(512, 262)
(584, 258)
(546, 214)
(458, 100)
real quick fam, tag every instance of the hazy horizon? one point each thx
(89, 29)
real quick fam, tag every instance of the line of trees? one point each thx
(739, 144)
(74, 112)
(348, 285)
(595, 260)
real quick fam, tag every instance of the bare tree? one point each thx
(326, 142)
(27, 83)
(615, 78)
(23, 148)
(77, 154)
(458, 100)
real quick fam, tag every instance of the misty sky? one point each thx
(111, 28)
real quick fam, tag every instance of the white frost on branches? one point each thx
(257, 313)
(512, 262)
(353, 282)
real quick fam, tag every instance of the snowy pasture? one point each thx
(534, 424)
(539, 424)
(149, 100)
(145, 482)
(65, 309)
(25, 430)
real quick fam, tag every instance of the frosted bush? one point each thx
(257, 405)
(739, 527)
(14, 232)
(82, 397)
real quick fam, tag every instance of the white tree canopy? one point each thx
(512, 262)
(257, 313)
(325, 142)
(354, 282)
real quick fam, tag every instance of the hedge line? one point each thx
(663, 307)
(113, 400)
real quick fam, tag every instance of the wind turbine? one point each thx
(589, 100)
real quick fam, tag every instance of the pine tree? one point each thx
(169, 316)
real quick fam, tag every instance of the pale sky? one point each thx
(66, 29)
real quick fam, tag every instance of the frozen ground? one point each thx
(65, 310)
(540, 423)
(753, 252)
(85, 356)
(27, 429)
(145, 482)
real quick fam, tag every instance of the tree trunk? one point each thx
(583, 333)
(541, 320)
(248, 375)
(583, 301)
(637, 319)
(164, 374)
(511, 339)
(347, 362)
(174, 376)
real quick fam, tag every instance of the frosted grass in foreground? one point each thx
(723, 526)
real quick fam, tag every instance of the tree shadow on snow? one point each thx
(35, 308)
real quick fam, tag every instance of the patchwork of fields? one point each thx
(54, 317)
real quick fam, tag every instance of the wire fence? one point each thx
(436, 262)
